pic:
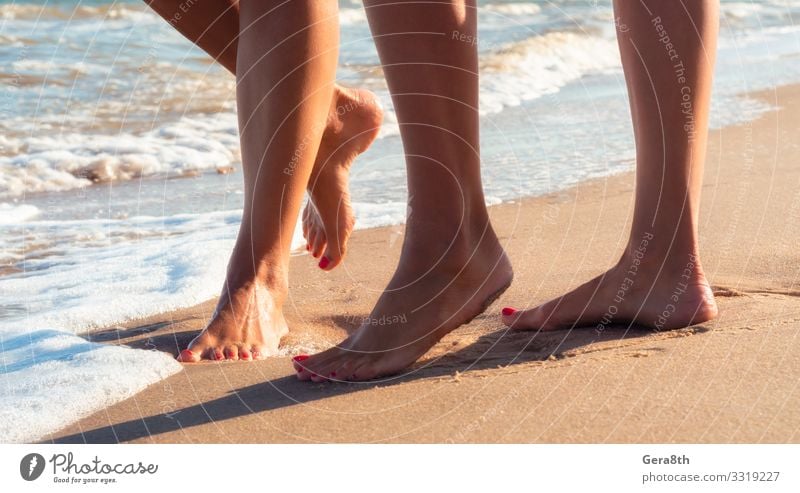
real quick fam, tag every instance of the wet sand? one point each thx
(731, 380)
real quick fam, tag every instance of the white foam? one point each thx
(50, 379)
(541, 65)
(96, 273)
(72, 160)
(12, 214)
(513, 8)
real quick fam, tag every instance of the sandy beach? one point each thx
(730, 380)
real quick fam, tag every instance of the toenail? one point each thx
(218, 355)
(187, 355)
(333, 373)
(507, 311)
(301, 357)
(324, 262)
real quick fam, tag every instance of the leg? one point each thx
(668, 56)
(354, 120)
(286, 67)
(452, 265)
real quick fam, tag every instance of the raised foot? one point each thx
(419, 307)
(248, 324)
(328, 220)
(658, 295)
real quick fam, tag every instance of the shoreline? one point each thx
(482, 384)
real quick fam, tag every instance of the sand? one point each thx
(734, 379)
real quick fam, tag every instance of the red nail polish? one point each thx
(308, 247)
(324, 261)
(508, 311)
(218, 355)
(333, 373)
(301, 357)
(187, 355)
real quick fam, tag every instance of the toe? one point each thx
(538, 318)
(347, 368)
(244, 354)
(232, 353)
(331, 258)
(217, 354)
(511, 316)
(199, 349)
(299, 366)
(318, 244)
(188, 356)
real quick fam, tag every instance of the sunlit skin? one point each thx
(248, 322)
(659, 284)
(451, 264)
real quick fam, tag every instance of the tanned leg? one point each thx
(354, 120)
(668, 51)
(286, 66)
(452, 264)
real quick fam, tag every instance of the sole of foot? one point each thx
(659, 296)
(328, 220)
(420, 306)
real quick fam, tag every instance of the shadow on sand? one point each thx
(499, 348)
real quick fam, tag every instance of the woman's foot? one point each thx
(353, 124)
(423, 302)
(247, 324)
(642, 289)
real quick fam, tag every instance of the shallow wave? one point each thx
(28, 11)
(44, 163)
(541, 65)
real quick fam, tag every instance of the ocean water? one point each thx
(112, 128)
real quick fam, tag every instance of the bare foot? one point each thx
(422, 303)
(636, 291)
(247, 324)
(328, 220)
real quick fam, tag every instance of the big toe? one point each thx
(202, 347)
(188, 356)
(524, 319)
(335, 249)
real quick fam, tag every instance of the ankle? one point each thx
(450, 243)
(647, 255)
(245, 277)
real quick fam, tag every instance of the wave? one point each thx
(541, 65)
(44, 163)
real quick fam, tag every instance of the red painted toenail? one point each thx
(507, 311)
(218, 355)
(333, 373)
(301, 357)
(187, 355)
(324, 262)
